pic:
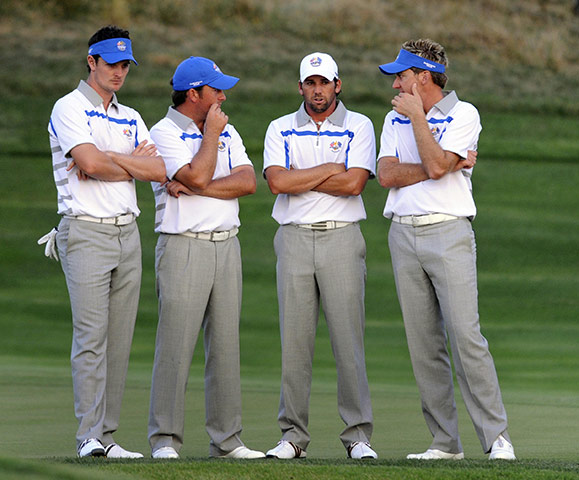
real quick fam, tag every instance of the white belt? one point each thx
(329, 225)
(124, 219)
(422, 220)
(213, 236)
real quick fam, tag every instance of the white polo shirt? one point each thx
(456, 127)
(178, 139)
(294, 141)
(77, 118)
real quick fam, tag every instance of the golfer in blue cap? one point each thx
(199, 261)
(99, 147)
(425, 161)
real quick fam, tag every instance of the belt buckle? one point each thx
(417, 220)
(219, 236)
(322, 226)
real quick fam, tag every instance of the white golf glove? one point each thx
(50, 240)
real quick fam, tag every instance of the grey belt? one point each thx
(213, 236)
(124, 219)
(328, 225)
(422, 220)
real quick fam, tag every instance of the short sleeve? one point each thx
(69, 125)
(142, 131)
(237, 152)
(388, 139)
(362, 150)
(274, 151)
(175, 152)
(463, 131)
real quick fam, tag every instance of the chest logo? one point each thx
(127, 133)
(435, 131)
(335, 146)
(221, 146)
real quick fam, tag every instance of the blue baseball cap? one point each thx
(198, 71)
(113, 50)
(406, 60)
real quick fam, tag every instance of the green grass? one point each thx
(527, 227)
(527, 235)
(527, 231)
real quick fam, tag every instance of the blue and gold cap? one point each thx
(198, 71)
(406, 60)
(113, 50)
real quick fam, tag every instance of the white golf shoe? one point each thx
(165, 453)
(114, 450)
(243, 453)
(91, 447)
(502, 450)
(360, 450)
(286, 450)
(434, 454)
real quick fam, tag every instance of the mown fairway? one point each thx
(525, 186)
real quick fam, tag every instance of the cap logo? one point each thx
(122, 46)
(216, 68)
(315, 61)
(196, 84)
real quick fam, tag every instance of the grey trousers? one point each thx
(436, 280)
(327, 266)
(102, 266)
(199, 286)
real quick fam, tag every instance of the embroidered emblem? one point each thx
(221, 146)
(435, 131)
(122, 46)
(335, 146)
(315, 61)
(127, 133)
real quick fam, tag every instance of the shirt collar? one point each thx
(337, 117)
(182, 121)
(92, 95)
(447, 103)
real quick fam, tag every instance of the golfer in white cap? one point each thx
(317, 161)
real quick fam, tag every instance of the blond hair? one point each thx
(426, 48)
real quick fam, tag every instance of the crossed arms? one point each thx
(392, 173)
(330, 178)
(142, 164)
(196, 177)
(435, 162)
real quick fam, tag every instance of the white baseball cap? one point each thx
(318, 64)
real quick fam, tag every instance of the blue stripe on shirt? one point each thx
(196, 136)
(430, 120)
(312, 133)
(120, 121)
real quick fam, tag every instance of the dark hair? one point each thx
(426, 48)
(110, 31)
(178, 97)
